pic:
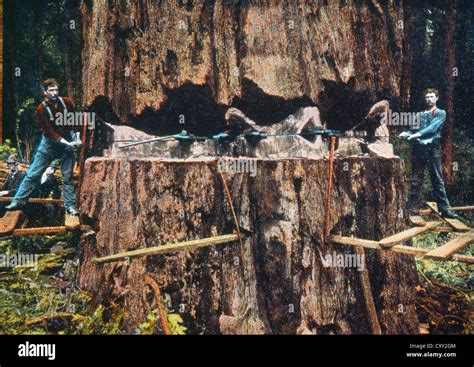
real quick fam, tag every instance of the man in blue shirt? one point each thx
(425, 137)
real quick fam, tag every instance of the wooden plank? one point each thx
(445, 229)
(9, 221)
(454, 208)
(417, 220)
(413, 251)
(7, 199)
(45, 230)
(407, 234)
(455, 223)
(38, 230)
(352, 241)
(170, 247)
(458, 225)
(451, 247)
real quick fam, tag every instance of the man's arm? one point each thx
(76, 130)
(433, 128)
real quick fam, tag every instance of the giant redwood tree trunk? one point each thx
(152, 63)
(155, 61)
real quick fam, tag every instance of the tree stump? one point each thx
(275, 280)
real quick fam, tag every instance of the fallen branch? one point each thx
(165, 326)
(55, 317)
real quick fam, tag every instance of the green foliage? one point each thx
(455, 274)
(151, 325)
(6, 149)
(176, 324)
(33, 300)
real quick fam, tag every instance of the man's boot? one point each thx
(14, 206)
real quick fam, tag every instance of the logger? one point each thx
(58, 141)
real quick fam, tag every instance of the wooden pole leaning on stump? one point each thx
(364, 276)
(327, 223)
(170, 247)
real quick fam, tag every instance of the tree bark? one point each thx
(267, 58)
(68, 50)
(10, 94)
(275, 281)
(407, 63)
(449, 45)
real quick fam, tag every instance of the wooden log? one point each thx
(170, 247)
(455, 223)
(407, 234)
(414, 251)
(451, 247)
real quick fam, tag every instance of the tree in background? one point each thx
(42, 39)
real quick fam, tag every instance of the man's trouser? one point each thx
(427, 157)
(49, 150)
